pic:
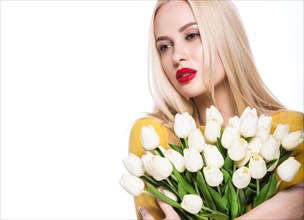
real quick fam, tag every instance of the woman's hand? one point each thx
(286, 204)
(167, 209)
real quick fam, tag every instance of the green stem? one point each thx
(234, 167)
(207, 209)
(257, 186)
(148, 193)
(219, 190)
(173, 177)
(201, 217)
(172, 186)
(278, 184)
(170, 183)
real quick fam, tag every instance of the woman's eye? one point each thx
(164, 47)
(192, 36)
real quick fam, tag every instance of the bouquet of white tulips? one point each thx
(214, 174)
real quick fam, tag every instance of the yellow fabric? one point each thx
(294, 119)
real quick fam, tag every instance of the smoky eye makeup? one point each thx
(192, 36)
(162, 47)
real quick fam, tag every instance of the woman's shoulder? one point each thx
(293, 118)
(135, 145)
(158, 126)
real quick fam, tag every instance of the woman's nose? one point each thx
(179, 54)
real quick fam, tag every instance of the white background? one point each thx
(73, 79)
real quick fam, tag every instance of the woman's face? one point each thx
(181, 51)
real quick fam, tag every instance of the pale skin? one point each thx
(178, 41)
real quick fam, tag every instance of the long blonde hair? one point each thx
(221, 30)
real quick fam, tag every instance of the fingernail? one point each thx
(140, 209)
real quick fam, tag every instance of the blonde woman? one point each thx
(200, 56)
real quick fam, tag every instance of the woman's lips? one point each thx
(185, 75)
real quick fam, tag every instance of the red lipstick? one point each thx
(185, 75)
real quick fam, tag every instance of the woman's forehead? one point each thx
(172, 16)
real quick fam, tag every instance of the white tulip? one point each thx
(265, 122)
(213, 156)
(280, 131)
(238, 149)
(192, 203)
(257, 167)
(168, 193)
(177, 159)
(214, 177)
(134, 165)
(249, 123)
(245, 112)
(158, 167)
(292, 140)
(270, 149)
(288, 169)
(273, 166)
(132, 184)
(245, 160)
(263, 134)
(255, 145)
(149, 138)
(145, 159)
(235, 122)
(229, 135)
(212, 131)
(241, 177)
(213, 113)
(196, 140)
(193, 160)
(184, 124)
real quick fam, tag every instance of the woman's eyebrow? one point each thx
(184, 27)
(181, 29)
(161, 38)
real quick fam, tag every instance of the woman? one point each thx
(200, 56)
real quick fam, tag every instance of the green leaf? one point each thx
(188, 176)
(177, 148)
(217, 216)
(181, 191)
(252, 186)
(267, 191)
(242, 202)
(162, 197)
(186, 185)
(228, 165)
(270, 163)
(213, 215)
(184, 215)
(159, 152)
(221, 148)
(218, 200)
(225, 198)
(249, 194)
(233, 201)
(284, 154)
(272, 187)
(227, 176)
(202, 185)
(151, 180)
(184, 143)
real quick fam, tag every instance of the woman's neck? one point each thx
(223, 100)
